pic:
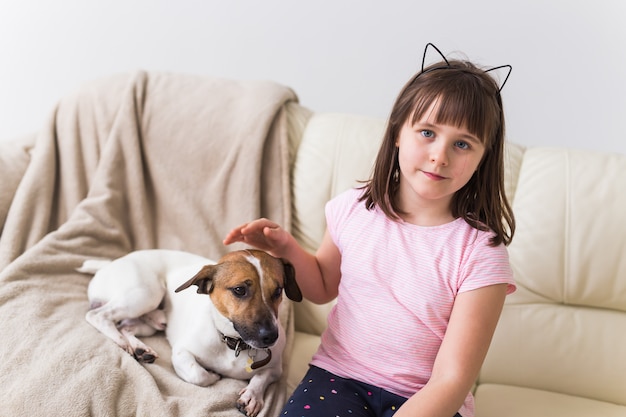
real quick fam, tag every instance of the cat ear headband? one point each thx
(447, 66)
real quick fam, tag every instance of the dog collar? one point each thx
(237, 344)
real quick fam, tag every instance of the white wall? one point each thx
(568, 85)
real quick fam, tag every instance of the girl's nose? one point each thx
(439, 156)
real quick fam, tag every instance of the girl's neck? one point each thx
(427, 219)
(423, 213)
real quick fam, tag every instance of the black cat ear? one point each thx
(508, 69)
(436, 49)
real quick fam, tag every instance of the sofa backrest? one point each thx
(335, 153)
(564, 330)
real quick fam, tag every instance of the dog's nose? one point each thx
(268, 335)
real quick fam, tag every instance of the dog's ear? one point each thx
(292, 290)
(203, 279)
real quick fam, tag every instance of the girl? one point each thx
(416, 258)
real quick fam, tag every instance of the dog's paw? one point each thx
(145, 355)
(249, 402)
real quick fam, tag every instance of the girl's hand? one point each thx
(317, 275)
(262, 234)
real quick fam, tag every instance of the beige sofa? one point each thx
(560, 346)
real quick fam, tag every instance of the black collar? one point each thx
(237, 344)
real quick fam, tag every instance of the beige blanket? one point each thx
(149, 160)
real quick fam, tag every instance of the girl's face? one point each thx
(436, 161)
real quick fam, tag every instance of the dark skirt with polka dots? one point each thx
(323, 394)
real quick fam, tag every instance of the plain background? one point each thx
(568, 86)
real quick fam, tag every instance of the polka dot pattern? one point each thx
(323, 394)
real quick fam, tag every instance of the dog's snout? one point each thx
(259, 336)
(268, 335)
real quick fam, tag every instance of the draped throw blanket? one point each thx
(148, 160)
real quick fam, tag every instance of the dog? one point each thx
(229, 327)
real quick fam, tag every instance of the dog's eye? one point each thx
(277, 293)
(240, 292)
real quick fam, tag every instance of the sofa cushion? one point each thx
(571, 216)
(563, 330)
(560, 348)
(304, 346)
(502, 400)
(335, 153)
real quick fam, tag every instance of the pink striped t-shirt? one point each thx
(398, 285)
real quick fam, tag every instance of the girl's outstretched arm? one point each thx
(317, 275)
(462, 352)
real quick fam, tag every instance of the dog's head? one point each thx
(246, 287)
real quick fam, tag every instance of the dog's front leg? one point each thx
(188, 369)
(251, 397)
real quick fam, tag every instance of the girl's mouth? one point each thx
(433, 176)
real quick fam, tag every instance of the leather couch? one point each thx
(560, 346)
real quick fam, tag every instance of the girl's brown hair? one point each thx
(468, 98)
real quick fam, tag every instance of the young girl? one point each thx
(416, 258)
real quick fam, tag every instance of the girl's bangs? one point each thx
(458, 105)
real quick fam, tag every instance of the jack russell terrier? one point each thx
(231, 329)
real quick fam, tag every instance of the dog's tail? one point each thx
(91, 266)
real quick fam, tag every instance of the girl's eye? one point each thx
(462, 145)
(428, 133)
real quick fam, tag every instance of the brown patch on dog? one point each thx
(248, 296)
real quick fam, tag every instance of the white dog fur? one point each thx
(228, 328)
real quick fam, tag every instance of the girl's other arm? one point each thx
(462, 352)
(317, 275)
